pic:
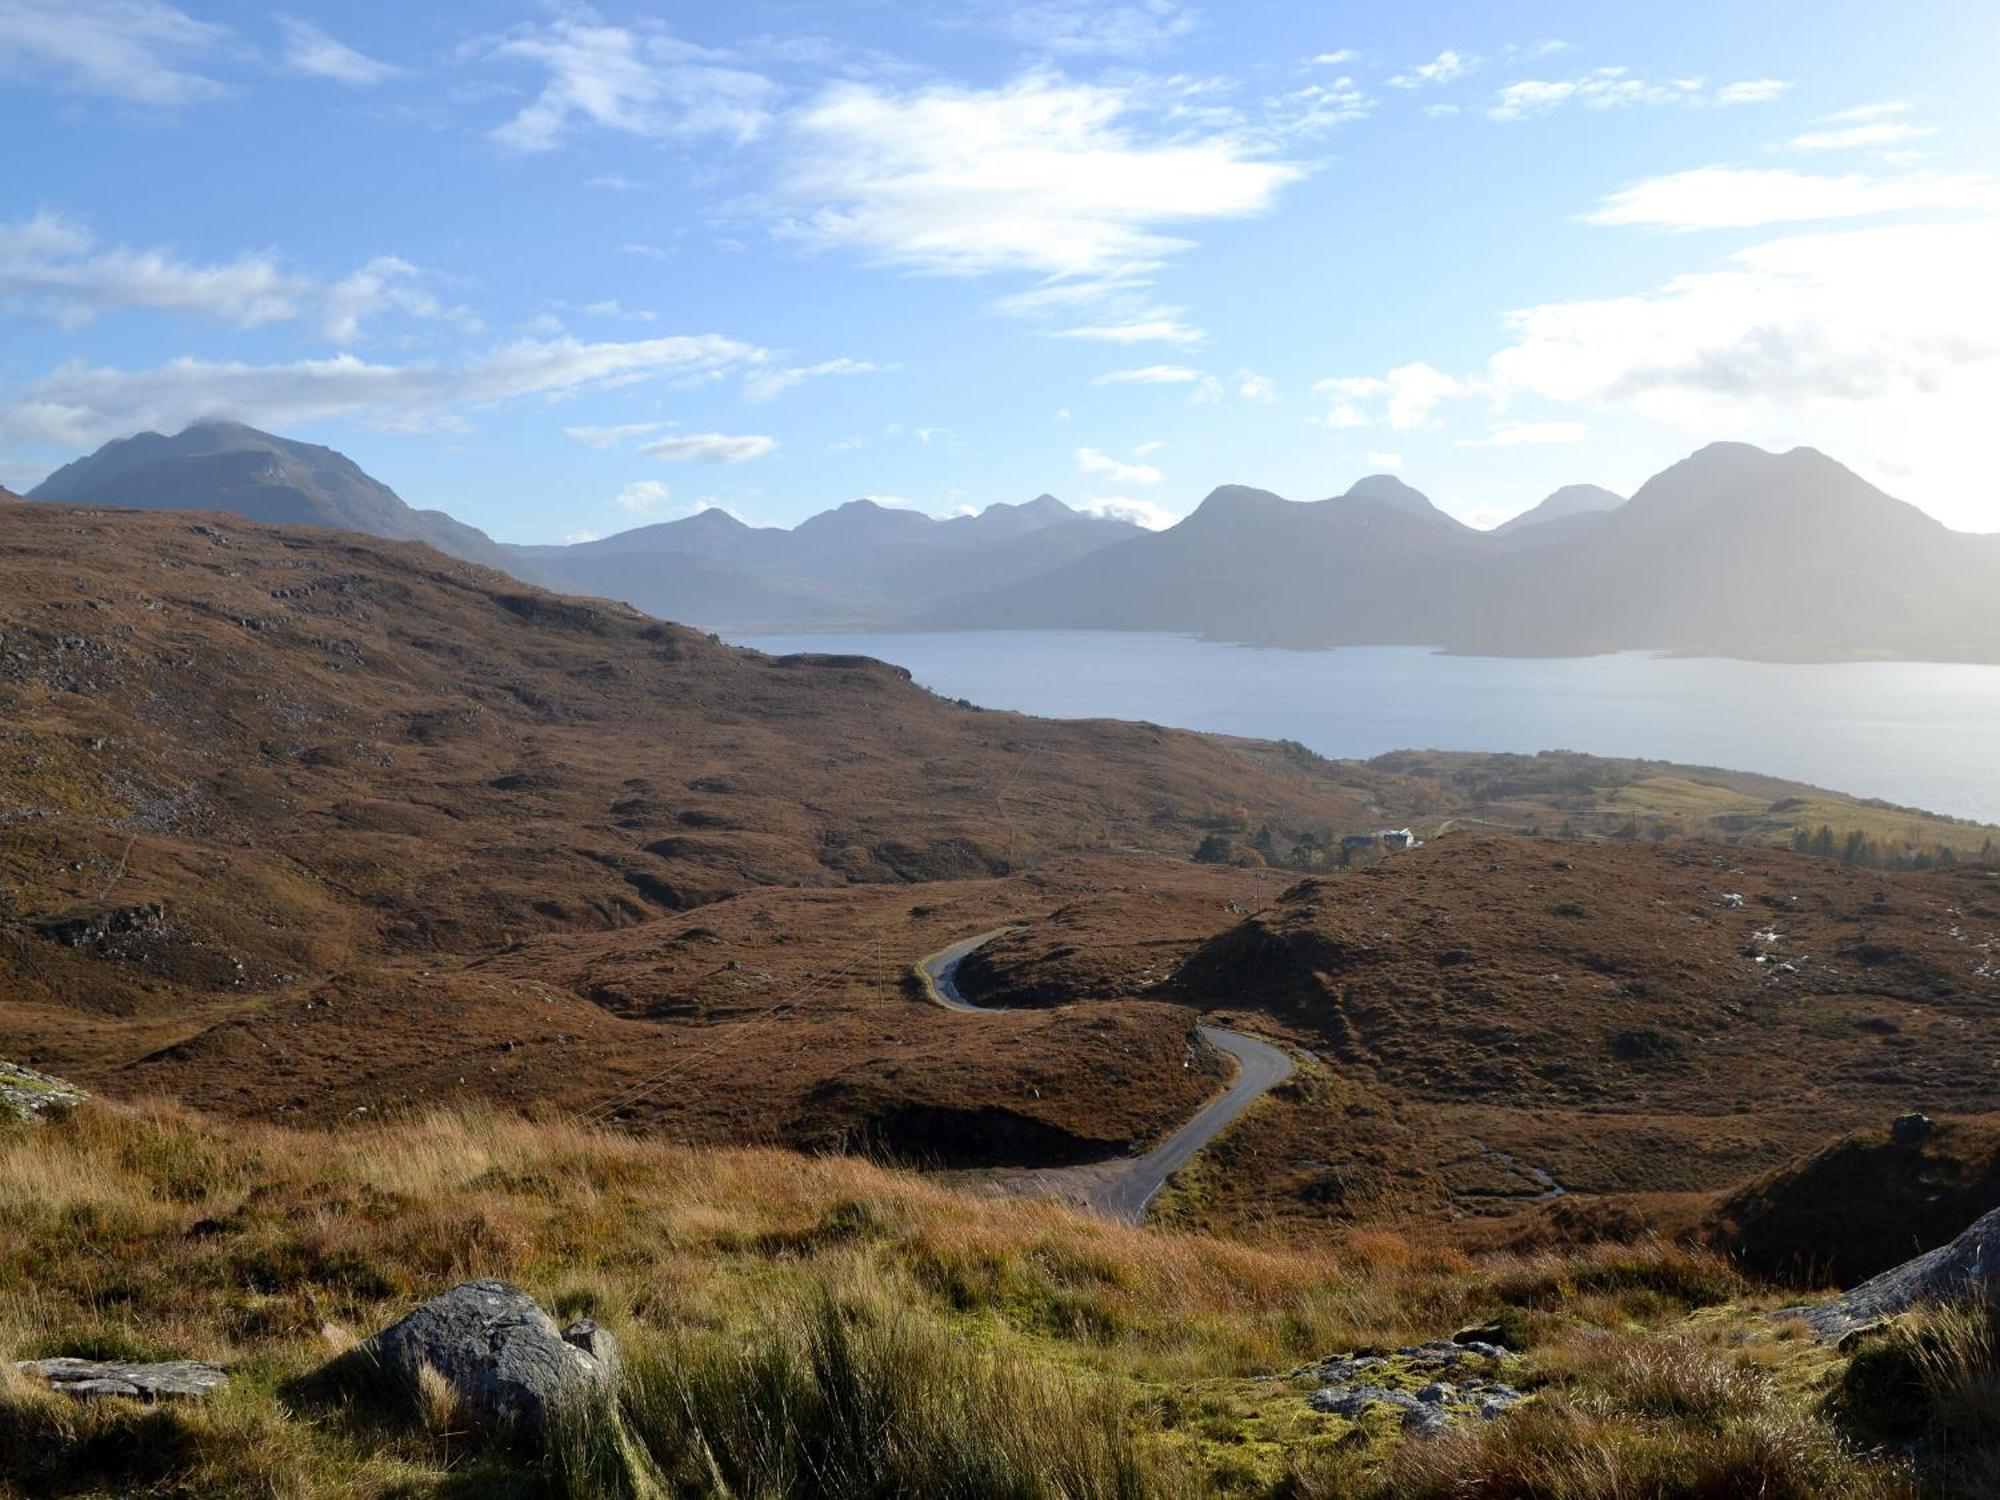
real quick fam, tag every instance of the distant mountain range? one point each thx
(858, 566)
(1733, 552)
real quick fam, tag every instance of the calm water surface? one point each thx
(1918, 733)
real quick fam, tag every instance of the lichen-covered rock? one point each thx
(87, 1379)
(1969, 1264)
(500, 1355)
(26, 1094)
(1430, 1408)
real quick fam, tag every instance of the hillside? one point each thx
(1570, 500)
(228, 466)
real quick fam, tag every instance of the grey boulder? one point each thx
(500, 1355)
(87, 1379)
(1969, 1264)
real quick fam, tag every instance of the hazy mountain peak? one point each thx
(1570, 500)
(224, 465)
(1395, 494)
(1235, 499)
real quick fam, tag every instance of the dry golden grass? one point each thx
(768, 1303)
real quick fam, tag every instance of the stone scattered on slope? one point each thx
(1970, 1263)
(500, 1355)
(25, 1094)
(87, 1379)
(1433, 1406)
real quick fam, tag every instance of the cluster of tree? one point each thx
(1856, 848)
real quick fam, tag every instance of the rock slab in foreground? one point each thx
(500, 1355)
(87, 1379)
(1970, 1264)
(1433, 1408)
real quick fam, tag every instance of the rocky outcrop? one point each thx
(87, 1379)
(1969, 1265)
(501, 1357)
(26, 1094)
(1409, 1382)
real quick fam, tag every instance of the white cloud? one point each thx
(80, 405)
(1041, 176)
(1385, 461)
(133, 50)
(1166, 328)
(1150, 375)
(1067, 29)
(1881, 345)
(1140, 512)
(643, 496)
(1318, 108)
(1744, 197)
(1411, 395)
(1528, 434)
(1752, 91)
(1254, 387)
(1091, 461)
(1335, 59)
(639, 82)
(1619, 88)
(610, 437)
(1442, 69)
(1866, 135)
(763, 384)
(1881, 109)
(386, 284)
(709, 448)
(51, 266)
(311, 51)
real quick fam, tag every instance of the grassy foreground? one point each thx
(807, 1327)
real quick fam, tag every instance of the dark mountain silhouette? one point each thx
(227, 466)
(1734, 551)
(1570, 500)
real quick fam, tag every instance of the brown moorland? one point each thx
(302, 825)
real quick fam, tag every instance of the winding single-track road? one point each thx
(1124, 1188)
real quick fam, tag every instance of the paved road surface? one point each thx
(1123, 1189)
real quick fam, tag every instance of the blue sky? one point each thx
(562, 270)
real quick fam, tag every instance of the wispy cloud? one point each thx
(1407, 397)
(81, 404)
(1134, 510)
(1165, 327)
(710, 448)
(1620, 88)
(1065, 28)
(1063, 180)
(1745, 197)
(1871, 135)
(1091, 461)
(763, 384)
(52, 266)
(311, 51)
(138, 51)
(610, 437)
(634, 81)
(1150, 375)
(1446, 67)
(643, 496)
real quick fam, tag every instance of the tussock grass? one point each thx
(793, 1326)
